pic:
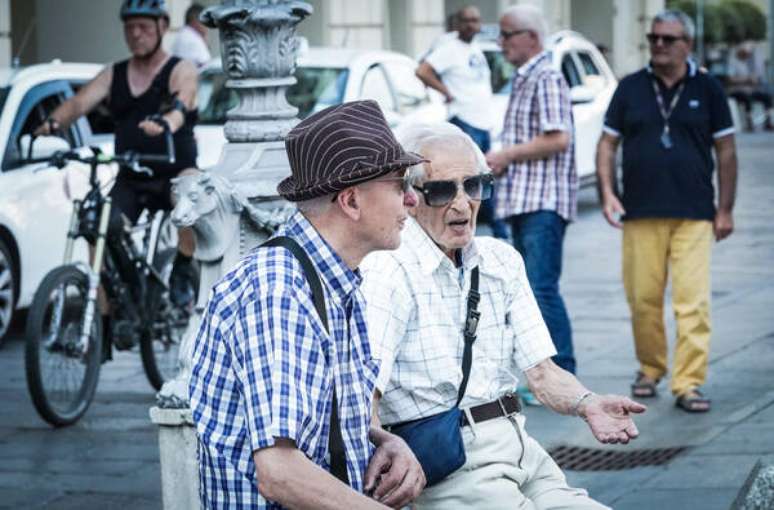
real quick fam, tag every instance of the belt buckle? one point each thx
(502, 406)
(510, 394)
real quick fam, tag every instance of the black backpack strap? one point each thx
(335, 439)
(471, 324)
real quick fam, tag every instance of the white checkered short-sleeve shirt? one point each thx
(416, 302)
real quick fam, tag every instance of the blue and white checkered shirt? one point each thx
(263, 367)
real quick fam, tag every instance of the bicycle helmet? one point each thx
(148, 8)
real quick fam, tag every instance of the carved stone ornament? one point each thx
(258, 48)
(226, 227)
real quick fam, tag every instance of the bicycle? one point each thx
(64, 337)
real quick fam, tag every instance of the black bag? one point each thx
(335, 440)
(437, 440)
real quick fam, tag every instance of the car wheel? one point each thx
(8, 287)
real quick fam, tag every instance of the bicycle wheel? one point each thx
(62, 373)
(160, 342)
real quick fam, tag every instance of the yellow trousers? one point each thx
(652, 248)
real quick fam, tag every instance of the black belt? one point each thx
(504, 406)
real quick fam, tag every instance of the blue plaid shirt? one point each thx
(263, 367)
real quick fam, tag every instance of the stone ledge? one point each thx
(171, 417)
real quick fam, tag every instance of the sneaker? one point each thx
(528, 397)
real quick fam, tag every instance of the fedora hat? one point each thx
(339, 147)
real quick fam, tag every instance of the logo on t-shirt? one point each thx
(693, 103)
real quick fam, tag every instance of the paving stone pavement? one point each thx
(110, 458)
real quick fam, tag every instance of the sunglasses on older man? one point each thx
(668, 40)
(440, 193)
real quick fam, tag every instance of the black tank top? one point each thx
(128, 111)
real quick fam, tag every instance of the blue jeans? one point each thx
(487, 212)
(539, 236)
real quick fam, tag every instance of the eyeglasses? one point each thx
(440, 193)
(668, 40)
(507, 35)
(405, 184)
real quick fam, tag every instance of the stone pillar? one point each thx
(5, 33)
(238, 206)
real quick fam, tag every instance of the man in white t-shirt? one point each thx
(457, 68)
(191, 41)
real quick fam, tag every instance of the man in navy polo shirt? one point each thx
(670, 115)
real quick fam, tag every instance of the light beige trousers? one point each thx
(505, 469)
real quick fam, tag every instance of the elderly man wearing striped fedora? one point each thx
(283, 376)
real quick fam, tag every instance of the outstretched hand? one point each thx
(609, 418)
(394, 476)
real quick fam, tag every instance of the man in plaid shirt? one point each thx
(264, 365)
(539, 183)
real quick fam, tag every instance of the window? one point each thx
(213, 98)
(501, 71)
(100, 120)
(34, 109)
(376, 87)
(570, 71)
(316, 88)
(588, 63)
(410, 90)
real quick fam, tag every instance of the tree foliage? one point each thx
(729, 21)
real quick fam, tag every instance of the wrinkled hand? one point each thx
(150, 128)
(609, 418)
(611, 207)
(498, 161)
(723, 225)
(394, 474)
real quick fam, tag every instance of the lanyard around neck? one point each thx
(666, 139)
(665, 114)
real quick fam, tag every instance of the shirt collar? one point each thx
(332, 270)
(532, 63)
(430, 255)
(692, 68)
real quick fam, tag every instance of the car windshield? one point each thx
(316, 88)
(501, 71)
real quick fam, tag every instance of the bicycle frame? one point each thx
(140, 264)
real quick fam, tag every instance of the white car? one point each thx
(36, 199)
(592, 84)
(326, 77)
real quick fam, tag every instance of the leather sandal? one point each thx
(642, 388)
(693, 402)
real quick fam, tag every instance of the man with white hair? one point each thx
(439, 360)
(537, 167)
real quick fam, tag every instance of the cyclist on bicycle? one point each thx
(148, 93)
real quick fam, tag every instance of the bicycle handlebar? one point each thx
(129, 159)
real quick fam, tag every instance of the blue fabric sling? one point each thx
(437, 440)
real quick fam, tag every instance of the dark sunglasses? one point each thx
(507, 35)
(440, 193)
(668, 40)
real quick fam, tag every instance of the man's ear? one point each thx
(350, 201)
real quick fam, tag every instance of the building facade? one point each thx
(41, 30)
